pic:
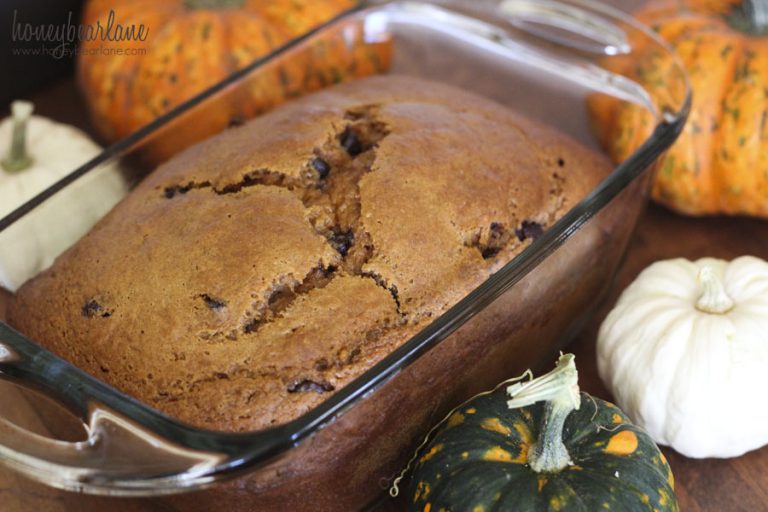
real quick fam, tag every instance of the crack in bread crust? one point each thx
(301, 248)
(329, 188)
(283, 293)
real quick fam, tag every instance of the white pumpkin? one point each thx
(36, 152)
(685, 354)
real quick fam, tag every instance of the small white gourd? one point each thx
(36, 152)
(685, 354)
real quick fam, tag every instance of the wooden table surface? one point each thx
(733, 485)
(715, 485)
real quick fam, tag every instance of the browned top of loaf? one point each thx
(255, 273)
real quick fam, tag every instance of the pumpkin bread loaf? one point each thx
(252, 275)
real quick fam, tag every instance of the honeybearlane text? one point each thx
(69, 32)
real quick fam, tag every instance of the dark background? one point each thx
(24, 75)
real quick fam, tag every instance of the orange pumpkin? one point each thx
(720, 162)
(193, 44)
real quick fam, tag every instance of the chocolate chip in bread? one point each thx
(254, 274)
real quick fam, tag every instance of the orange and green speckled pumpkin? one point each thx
(193, 44)
(481, 460)
(720, 162)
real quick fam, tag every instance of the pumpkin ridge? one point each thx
(478, 469)
(746, 102)
(624, 482)
(595, 467)
(678, 323)
(727, 114)
(609, 490)
(480, 443)
(499, 505)
(710, 174)
(227, 59)
(717, 165)
(270, 36)
(556, 493)
(592, 463)
(517, 497)
(598, 413)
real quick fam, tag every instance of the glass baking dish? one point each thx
(545, 58)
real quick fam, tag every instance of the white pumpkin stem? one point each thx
(713, 298)
(560, 389)
(18, 159)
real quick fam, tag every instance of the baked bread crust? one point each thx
(255, 273)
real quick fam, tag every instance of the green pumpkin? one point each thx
(541, 455)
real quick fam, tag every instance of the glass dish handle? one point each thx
(118, 457)
(567, 24)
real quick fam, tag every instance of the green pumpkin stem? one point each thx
(18, 159)
(560, 389)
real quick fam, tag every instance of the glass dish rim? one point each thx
(34, 364)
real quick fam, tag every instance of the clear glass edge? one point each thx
(248, 450)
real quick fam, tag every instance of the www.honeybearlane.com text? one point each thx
(66, 50)
(64, 34)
